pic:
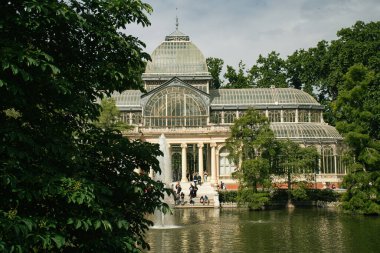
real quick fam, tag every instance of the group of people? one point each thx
(197, 179)
(180, 196)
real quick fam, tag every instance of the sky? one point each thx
(235, 30)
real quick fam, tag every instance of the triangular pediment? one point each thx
(175, 82)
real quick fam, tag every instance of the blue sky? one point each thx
(237, 30)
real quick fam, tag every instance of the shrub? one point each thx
(253, 200)
(227, 196)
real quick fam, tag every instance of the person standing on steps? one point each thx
(205, 174)
(195, 178)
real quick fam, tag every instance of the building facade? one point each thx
(196, 120)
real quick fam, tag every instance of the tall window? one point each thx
(226, 167)
(274, 116)
(176, 166)
(216, 117)
(328, 164)
(303, 116)
(136, 118)
(175, 107)
(289, 115)
(229, 116)
(315, 116)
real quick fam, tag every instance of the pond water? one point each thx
(238, 230)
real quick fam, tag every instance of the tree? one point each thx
(269, 71)
(250, 139)
(215, 66)
(237, 80)
(110, 116)
(292, 160)
(357, 111)
(65, 184)
(362, 195)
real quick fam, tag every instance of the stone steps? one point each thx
(203, 189)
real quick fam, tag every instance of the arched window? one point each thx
(136, 118)
(303, 116)
(175, 106)
(328, 165)
(289, 115)
(229, 116)
(274, 116)
(315, 116)
(216, 117)
(176, 166)
(226, 167)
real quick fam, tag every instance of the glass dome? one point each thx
(177, 55)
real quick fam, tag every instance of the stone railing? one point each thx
(206, 129)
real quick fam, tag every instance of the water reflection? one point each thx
(236, 230)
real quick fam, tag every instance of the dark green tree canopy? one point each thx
(65, 184)
(250, 138)
(269, 71)
(237, 79)
(357, 111)
(215, 66)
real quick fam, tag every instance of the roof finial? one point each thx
(176, 20)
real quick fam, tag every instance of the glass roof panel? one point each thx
(127, 98)
(305, 131)
(261, 96)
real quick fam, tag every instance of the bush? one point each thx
(227, 196)
(253, 200)
(323, 195)
(281, 195)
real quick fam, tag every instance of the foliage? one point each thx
(215, 66)
(250, 138)
(227, 196)
(363, 193)
(110, 116)
(293, 159)
(269, 71)
(300, 193)
(253, 200)
(357, 111)
(237, 79)
(255, 171)
(65, 184)
(306, 194)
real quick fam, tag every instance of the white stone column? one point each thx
(217, 163)
(184, 162)
(335, 159)
(200, 159)
(214, 178)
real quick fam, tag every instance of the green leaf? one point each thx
(59, 241)
(70, 221)
(97, 224)
(78, 224)
(106, 225)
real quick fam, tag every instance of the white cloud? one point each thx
(237, 30)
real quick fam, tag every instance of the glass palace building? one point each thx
(196, 120)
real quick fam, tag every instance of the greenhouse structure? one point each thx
(195, 119)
